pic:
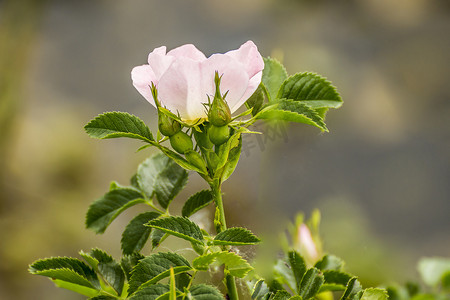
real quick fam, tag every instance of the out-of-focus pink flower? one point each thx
(184, 78)
(306, 243)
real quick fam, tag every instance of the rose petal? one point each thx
(180, 89)
(188, 51)
(249, 56)
(253, 84)
(234, 78)
(142, 77)
(159, 62)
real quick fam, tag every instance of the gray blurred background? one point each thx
(380, 177)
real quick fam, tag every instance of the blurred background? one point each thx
(380, 177)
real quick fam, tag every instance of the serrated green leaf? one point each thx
(233, 159)
(281, 295)
(311, 283)
(101, 256)
(205, 292)
(118, 124)
(89, 259)
(374, 294)
(284, 274)
(182, 280)
(236, 265)
(431, 269)
(180, 227)
(311, 89)
(88, 292)
(256, 100)
(66, 269)
(236, 236)
(108, 268)
(336, 277)
(353, 290)
(136, 233)
(296, 297)
(157, 236)
(330, 262)
(162, 177)
(197, 202)
(260, 291)
(298, 267)
(293, 111)
(151, 292)
(274, 74)
(155, 267)
(113, 274)
(128, 262)
(105, 209)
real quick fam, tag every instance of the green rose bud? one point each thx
(167, 126)
(218, 134)
(219, 113)
(181, 142)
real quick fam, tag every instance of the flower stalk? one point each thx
(221, 225)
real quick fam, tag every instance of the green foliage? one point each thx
(281, 295)
(128, 262)
(155, 267)
(197, 202)
(224, 156)
(136, 233)
(337, 277)
(274, 74)
(180, 227)
(330, 262)
(433, 269)
(66, 269)
(157, 236)
(233, 159)
(109, 269)
(374, 294)
(311, 283)
(236, 265)
(236, 236)
(310, 89)
(204, 292)
(118, 124)
(161, 177)
(260, 290)
(293, 111)
(151, 292)
(105, 209)
(298, 267)
(256, 101)
(353, 290)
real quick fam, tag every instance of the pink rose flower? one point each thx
(184, 78)
(306, 246)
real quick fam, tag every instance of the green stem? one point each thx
(231, 287)
(217, 194)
